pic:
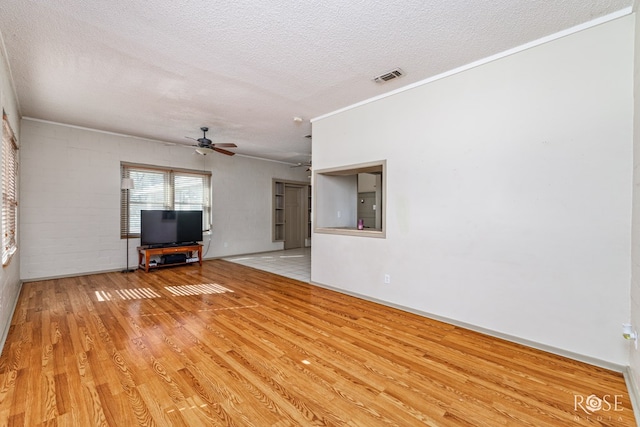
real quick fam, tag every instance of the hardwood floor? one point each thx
(227, 345)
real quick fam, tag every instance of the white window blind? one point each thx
(157, 188)
(9, 191)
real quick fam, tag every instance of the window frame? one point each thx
(169, 193)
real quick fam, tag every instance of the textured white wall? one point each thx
(508, 195)
(9, 275)
(70, 196)
(333, 194)
(634, 354)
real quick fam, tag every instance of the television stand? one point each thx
(145, 253)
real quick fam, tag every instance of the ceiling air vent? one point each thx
(390, 75)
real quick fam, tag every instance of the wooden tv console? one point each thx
(147, 253)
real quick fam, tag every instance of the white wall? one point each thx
(333, 194)
(508, 195)
(9, 275)
(70, 198)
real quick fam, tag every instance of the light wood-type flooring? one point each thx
(227, 345)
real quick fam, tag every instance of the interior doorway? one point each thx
(367, 209)
(294, 217)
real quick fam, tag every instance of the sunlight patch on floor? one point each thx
(127, 294)
(207, 288)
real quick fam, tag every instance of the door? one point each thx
(366, 209)
(293, 237)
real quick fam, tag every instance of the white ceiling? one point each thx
(163, 69)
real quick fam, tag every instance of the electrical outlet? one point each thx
(339, 214)
(387, 279)
(629, 333)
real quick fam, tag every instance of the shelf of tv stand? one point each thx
(145, 253)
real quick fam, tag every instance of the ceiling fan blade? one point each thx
(220, 150)
(297, 165)
(225, 144)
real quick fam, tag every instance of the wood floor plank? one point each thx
(226, 345)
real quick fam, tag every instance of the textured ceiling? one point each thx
(163, 69)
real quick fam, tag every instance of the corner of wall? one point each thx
(10, 283)
(5, 331)
(634, 396)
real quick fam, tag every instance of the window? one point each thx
(158, 188)
(351, 200)
(9, 191)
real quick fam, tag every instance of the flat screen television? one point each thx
(166, 228)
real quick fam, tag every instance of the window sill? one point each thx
(351, 231)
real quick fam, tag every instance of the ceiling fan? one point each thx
(206, 146)
(301, 164)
